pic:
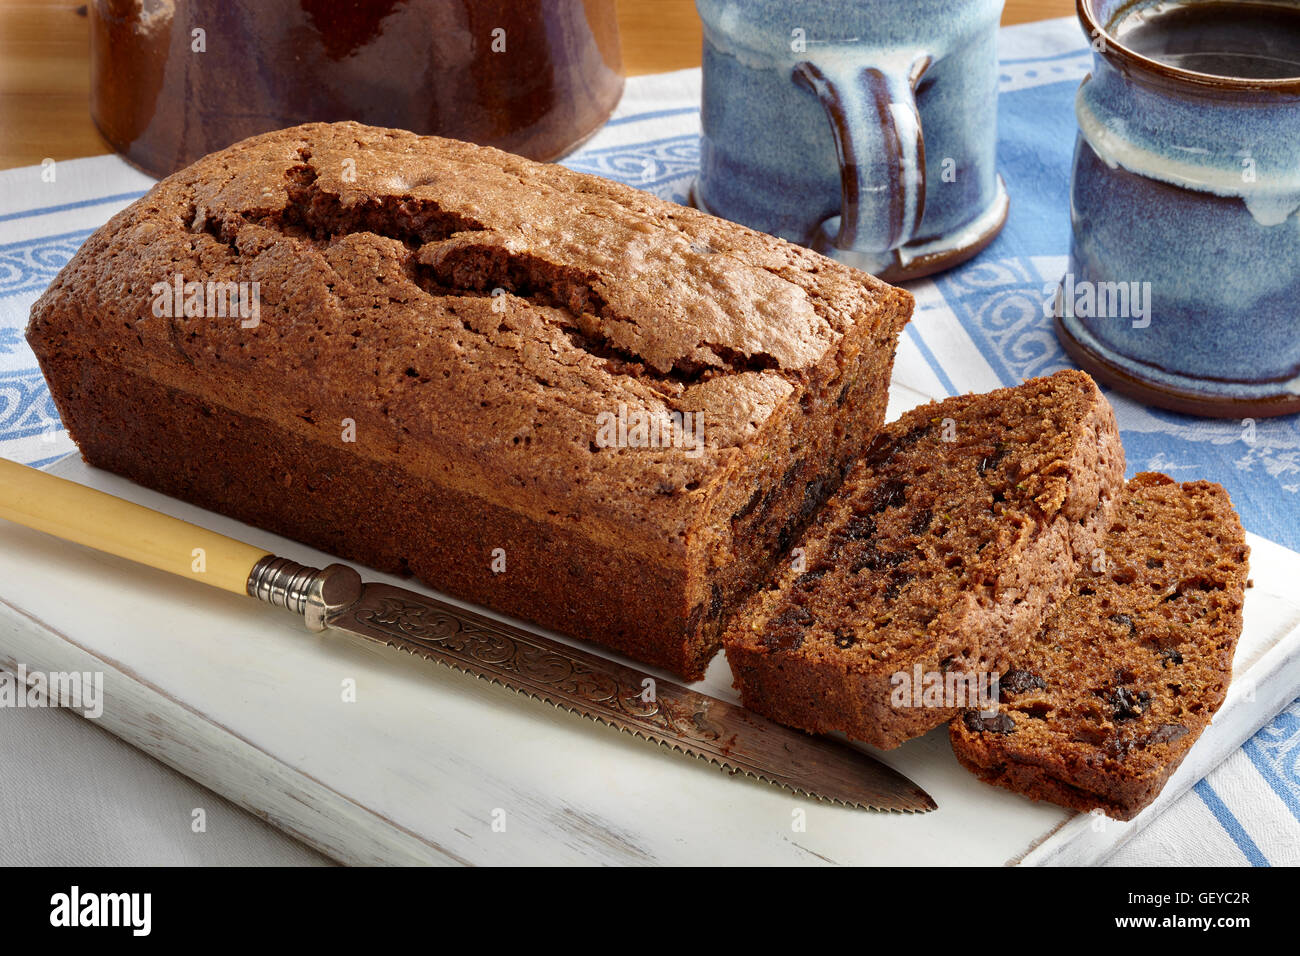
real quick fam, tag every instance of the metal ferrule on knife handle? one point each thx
(282, 583)
(311, 592)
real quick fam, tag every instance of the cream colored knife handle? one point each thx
(77, 513)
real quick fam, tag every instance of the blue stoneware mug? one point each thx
(866, 129)
(1184, 279)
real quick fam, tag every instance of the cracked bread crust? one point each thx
(1106, 701)
(473, 313)
(962, 525)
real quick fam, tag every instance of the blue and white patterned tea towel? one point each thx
(979, 327)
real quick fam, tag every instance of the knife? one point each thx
(571, 679)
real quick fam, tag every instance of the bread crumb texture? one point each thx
(1123, 678)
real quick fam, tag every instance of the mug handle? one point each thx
(881, 149)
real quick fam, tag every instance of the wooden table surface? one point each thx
(45, 71)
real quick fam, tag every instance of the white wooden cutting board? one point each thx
(419, 768)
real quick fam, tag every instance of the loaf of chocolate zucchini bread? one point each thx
(539, 390)
(935, 562)
(1103, 705)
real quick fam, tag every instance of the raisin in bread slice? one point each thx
(938, 559)
(1116, 688)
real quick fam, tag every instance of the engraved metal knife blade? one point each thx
(586, 684)
(574, 680)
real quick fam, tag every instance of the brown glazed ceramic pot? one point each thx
(173, 80)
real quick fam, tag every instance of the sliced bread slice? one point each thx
(934, 564)
(1121, 681)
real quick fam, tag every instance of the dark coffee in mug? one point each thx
(1258, 41)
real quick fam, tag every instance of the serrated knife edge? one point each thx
(667, 743)
(609, 693)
